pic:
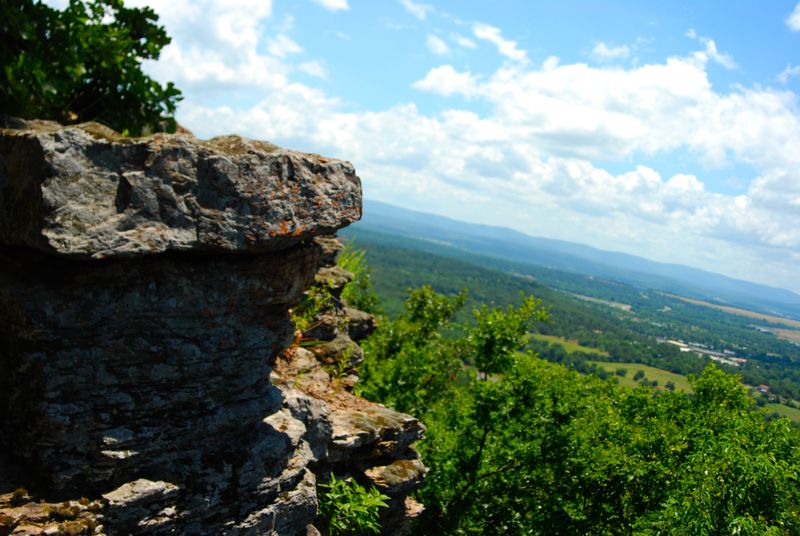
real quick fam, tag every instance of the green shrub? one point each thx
(358, 293)
(316, 299)
(84, 64)
(349, 508)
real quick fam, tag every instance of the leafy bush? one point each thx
(84, 64)
(349, 508)
(358, 293)
(316, 299)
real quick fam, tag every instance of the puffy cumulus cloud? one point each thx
(603, 52)
(536, 158)
(793, 19)
(215, 45)
(550, 128)
(211, 24)
(504, 46)
(446, 81)
(419, 10)
(437, 45)
(333, 5)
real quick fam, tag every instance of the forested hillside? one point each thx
(625, 323)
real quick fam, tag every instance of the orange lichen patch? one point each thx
(284, 227)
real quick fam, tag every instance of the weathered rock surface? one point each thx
(83, 191)
(350, 437)
(145, 289)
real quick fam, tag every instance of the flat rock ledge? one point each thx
(83, 191)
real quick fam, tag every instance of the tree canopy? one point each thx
(84, 64)
(516, 445)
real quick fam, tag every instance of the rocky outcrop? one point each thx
(85, 192)
(145, 293)
(351, 437)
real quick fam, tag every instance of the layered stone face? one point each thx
(145, 288)
(85, 192)
(122, 369)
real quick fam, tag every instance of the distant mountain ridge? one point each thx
(515, 246)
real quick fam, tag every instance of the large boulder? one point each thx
(145, 290)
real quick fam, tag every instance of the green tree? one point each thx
(84, 64)
(414, 363)
(535, 448)
(498, 334)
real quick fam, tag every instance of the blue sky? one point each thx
(669, 130)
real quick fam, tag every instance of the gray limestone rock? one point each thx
(314, 413)
(371, 432)
(360, 325)
(85, 192)
(145, 292)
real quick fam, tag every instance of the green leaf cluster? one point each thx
(84, 64)
(316, 299)
(349, 508)
(358, 293)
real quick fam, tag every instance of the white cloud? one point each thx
(437, 46)
(536, 157)
(603, 52)
(493, 35)
(712, 53)
(445, 80)
(790, 70)
(793, 19)
(462, 41)
(282, 46)
(313, 68)
(419, 10)
(333, 5)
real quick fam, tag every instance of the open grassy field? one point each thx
(651, 373)
(617, 305)
(740, 312)
(569, 345)
(784, 411)
(790, 335)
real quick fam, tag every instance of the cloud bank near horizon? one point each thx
(567, 150)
